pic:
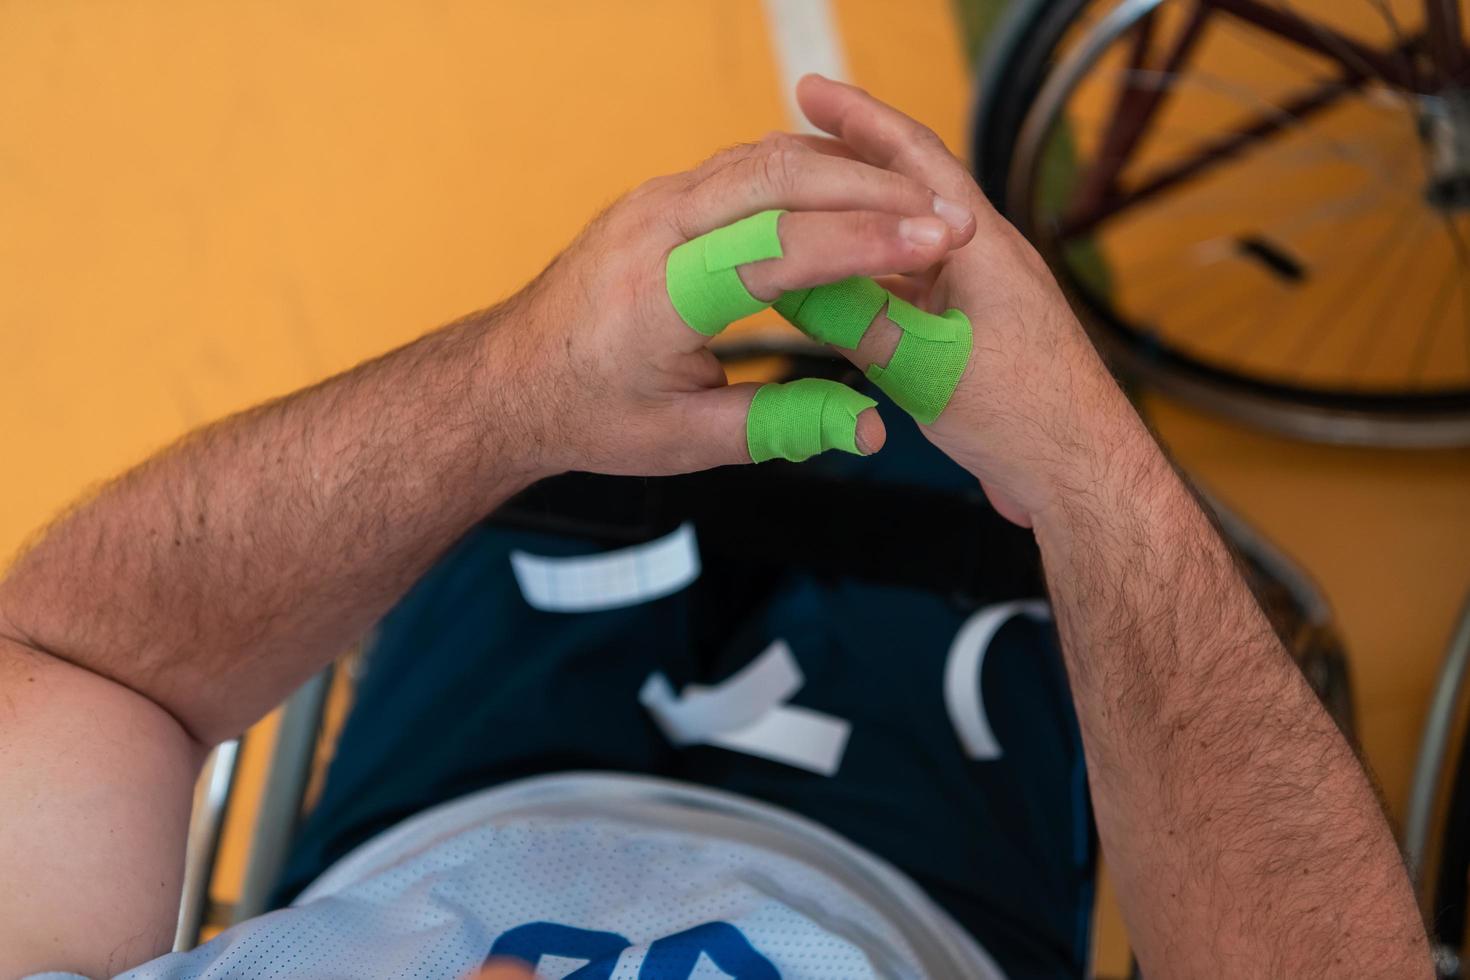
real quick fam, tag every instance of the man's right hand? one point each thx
(1036, 402)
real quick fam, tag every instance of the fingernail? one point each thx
(922, 231)
(955, 215)
(868, 433)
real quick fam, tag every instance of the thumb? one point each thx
(743, 423)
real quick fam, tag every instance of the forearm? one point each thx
(1243, 834)
(218, 575)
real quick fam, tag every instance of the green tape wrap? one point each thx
(700, 275)
(931, 356)
(924, 370)
(802, 418)
(838, 314)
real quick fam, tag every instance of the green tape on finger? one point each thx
(800, 419)
(931, 356)
(929, 361)
(701, 275)
(837, 314)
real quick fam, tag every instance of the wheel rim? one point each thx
(1310, 210)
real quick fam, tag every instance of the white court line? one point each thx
(805, 36)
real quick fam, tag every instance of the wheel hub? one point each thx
(1444, 125)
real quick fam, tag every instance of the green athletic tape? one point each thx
(799, 419)
(924, 370)
(700, 275)
(838, 314)
(932, 353)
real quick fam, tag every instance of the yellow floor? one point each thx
(203, 205)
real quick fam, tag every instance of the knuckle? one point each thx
(651, 188)
(682, 214)
(926, 137)
(722, 159)
(916, 141)
(779, 140)
(778, 169)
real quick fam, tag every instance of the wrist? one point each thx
(1063, 433)
(509, 389)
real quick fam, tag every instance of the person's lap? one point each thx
(468, 686)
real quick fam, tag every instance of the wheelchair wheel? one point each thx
(1262, 206)
(1437, 821)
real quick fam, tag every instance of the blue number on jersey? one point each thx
(534, 940)
(670, 958)
(674, 957)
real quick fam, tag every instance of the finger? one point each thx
(792, 177)
(819, 247)
(729, 424)
(882, 135)
(917, 357)
(913, 288)
(826, 144)
(850, 316)
(879, 342)
(736, 270)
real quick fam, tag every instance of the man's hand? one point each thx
(621, 383)
(1036, 391)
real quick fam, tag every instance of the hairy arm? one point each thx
(225, 571)
(191, 595)
(1243, 835)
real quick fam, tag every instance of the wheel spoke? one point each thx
(1213, 322)
(1216, 248)
(1271, 122)
(1172, 133)
(1382, 250)
(1358, 359)
(1461, 252)
(1331, 259)
(1356, 59)
(1446, 42)
(1134, 111)
(1382, 173)
(1400, 40)
(1429, 330)
(1184, 282)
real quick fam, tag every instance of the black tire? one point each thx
(1448, 889)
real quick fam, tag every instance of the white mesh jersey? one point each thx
(599, 877)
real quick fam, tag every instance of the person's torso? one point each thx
(599, 877)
